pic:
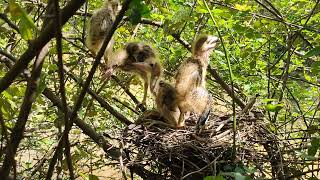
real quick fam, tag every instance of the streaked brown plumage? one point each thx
(99, 25)
(138, 58)
(190, 79)
(166, 101)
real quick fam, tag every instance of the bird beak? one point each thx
(212, 42)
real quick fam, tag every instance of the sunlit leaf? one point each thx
(26, 24)
(242, 7)
(313, 52)
(93, 177)
(274, 107)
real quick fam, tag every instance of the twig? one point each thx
(122, 168)
(205, 167)
(86, 84)
(62, 87)
(42, 161)
(37, 44)
(29, 98)
(7, 20)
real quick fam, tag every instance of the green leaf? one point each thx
(93, 177)
(274, 107)
(137, 11)
(242, 7)
(236, 175)
(313, 52)
(15, 10)
(315, 144)
(26, 25)
(214, 178)
(24, 30)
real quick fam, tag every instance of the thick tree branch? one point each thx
(37, 44)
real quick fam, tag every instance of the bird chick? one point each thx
(99, 25)
(190, 79)
(138, 58)
(166, 101)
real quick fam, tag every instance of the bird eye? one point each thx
(161, 83)
(151, 65)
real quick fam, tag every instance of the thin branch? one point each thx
(85, 87)
(7, 20)
(62, 87)
(101, 100)
(37, 44)
(108, 148)
(29, 98)
(230, 76)
(270, 18)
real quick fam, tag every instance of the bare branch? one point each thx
(29, 98)
(7, 20)
(62, 87)
(37, 44)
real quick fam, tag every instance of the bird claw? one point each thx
(107, 74)
(141, 106)
(203, 118)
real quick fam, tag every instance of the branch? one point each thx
(37, 44)
(108, 148)
(101, 101)
(29, 98)
(62, 87)
(270, 18)
(85, 87)
(7, 20)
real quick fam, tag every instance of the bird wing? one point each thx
(100, 24)
(187, 78)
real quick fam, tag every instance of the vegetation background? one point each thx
(273, 47)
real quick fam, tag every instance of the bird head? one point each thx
(139, 52)
(203, 46)
(113, 5)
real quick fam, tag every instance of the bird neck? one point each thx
(202, 55)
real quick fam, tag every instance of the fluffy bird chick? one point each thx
(190, 79)
(99, 25)
(138, 58)
(166, 101)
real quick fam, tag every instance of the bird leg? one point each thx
(181, 118)
(205, 114)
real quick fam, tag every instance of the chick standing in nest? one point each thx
(99, 25)
(138, 58)
(166, 100)
(192, 95)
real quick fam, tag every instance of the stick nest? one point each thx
(191, 153)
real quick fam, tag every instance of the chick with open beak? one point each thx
(191, 77)
(138, 58)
